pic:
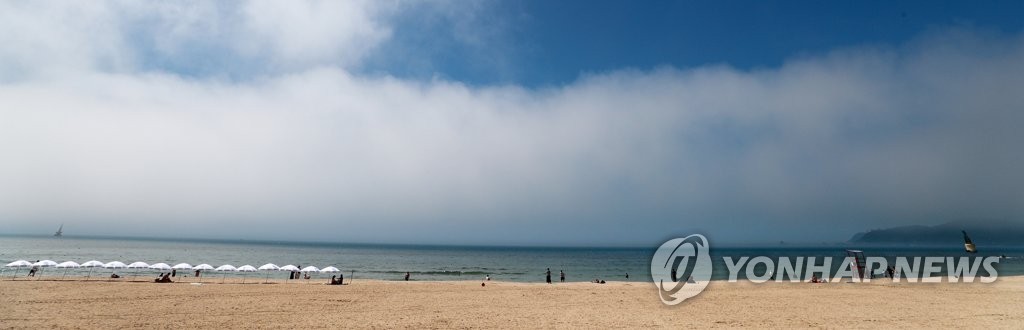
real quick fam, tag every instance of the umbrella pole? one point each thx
(15, 274)
(65, 274)
(243, 278)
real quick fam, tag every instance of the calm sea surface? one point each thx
(390, 262)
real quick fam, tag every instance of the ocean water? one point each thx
(390, 262)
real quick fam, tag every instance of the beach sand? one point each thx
(465, 304)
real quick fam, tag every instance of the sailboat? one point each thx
(968, 245)
(60, 231)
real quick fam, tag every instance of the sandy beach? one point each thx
(465, 304)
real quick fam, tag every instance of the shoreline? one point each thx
(216, 279)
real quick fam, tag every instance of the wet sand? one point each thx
(465, 304)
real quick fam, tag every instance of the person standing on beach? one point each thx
(627, 276)
(561, 276)
(406, 276)
(547, 275)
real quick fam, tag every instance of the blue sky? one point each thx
(508, 122)
(538, 43)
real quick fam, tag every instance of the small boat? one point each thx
(60, 231)
(968, 245)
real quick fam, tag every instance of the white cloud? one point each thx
(47, 38)
(312, 32)
(920, 133)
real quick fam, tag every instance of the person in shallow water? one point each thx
(561, 275)
(406, 276)
(547, 275)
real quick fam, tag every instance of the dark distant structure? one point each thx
(993, 233)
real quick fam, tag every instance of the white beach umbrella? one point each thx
(43, 264)
(246, 269)
(182, 266)
(115, 265)
(202, 268)
(160, 266)
(268, 268)
(310, 269)
(330, 269)
(91, 264)
(67, 265)
(225, 268)
(18, 264)
(137, 265)
(289, 268)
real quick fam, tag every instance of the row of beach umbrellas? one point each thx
(138, 265)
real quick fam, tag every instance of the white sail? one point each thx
(968, 245)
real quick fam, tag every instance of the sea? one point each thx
(426, 262)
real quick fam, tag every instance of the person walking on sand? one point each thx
(547, 275)
(561, 276)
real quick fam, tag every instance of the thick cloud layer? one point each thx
(98, 132)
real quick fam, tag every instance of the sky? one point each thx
(582, 123)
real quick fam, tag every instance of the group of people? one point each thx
(547, 276)
(561, 276)
(297, 275)
(163, 278)
(337, 280)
